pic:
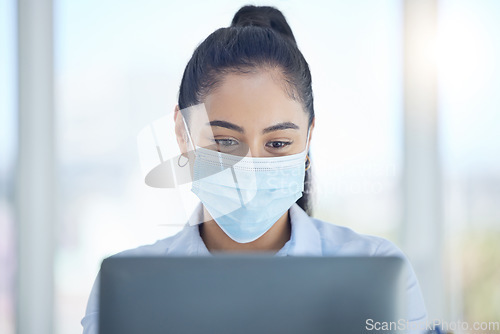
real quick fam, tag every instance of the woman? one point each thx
(244, 123)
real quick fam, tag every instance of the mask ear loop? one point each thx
(308, 160)
(187, 139)
(188, 133)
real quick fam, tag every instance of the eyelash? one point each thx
(225, 141)
(283, 144)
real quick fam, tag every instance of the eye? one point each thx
(226, 142)
(227, 145)
(278, 144)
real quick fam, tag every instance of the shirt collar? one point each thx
(305, 239)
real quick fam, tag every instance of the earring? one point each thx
(179, 161)
(308, 162)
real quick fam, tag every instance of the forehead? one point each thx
(254, 100)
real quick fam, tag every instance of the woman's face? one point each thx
(252, 115)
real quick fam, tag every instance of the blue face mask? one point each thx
(245, 195)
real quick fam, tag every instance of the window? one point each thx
(468, 48)
(8, 148)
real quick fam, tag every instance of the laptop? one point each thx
(240, 294)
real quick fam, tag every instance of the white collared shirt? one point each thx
(310, 236)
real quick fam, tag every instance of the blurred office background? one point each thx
(406, 144)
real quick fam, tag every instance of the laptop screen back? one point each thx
(249, 294)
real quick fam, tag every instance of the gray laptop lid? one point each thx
(249, 294)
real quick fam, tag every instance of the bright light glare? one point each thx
(463, 54)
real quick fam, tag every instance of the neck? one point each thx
(217, 240)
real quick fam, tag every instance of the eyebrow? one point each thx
(281, 126)
(276, 127)
(227, 125)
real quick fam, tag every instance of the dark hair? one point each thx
(264, 16)
(258, 38)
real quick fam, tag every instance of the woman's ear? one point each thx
(180, 131)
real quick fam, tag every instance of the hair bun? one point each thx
(263, 16)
